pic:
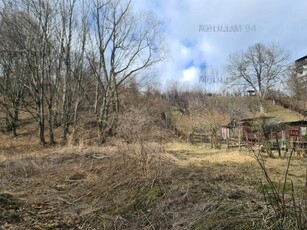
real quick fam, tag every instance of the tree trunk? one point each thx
(101, 133)
(7, 122)
(13, 127)
(239, 138)
(50, 124)
(75, 117)
(41, 122)
(262, 112)
(64, 133)
(96, 97)
(41, 132)
(64, 110)
(278, 147)
(104, 122)
(228, 145)
(115, 112)
(14, 121)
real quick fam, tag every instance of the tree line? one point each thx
(62, 59)
(58, 57)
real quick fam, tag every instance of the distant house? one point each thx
(292, 134)
(251, 93)
(268, 126)
(296, 134)
(230, 131)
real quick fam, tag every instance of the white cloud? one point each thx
(278, 21)
(191, 74)
(185, 52)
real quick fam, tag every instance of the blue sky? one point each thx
(193, 47)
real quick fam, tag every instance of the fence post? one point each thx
(239, 138)
(191, 138)
(227, 143)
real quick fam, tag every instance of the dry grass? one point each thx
(66, 189)
(197, 154)
(239, 169)
(128, 186)
(279, 112)
(186, 154)
(134, 186)
(2, 159)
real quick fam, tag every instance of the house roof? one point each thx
(262, 120)
(297, 123)
(258, 118)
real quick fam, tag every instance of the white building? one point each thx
(301, 66)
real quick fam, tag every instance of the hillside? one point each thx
(280, 112)
(126, 115)
(216, 112)
(152, 185)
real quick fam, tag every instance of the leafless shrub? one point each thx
(136, 125)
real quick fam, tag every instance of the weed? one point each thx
(288, 210)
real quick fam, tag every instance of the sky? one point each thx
(201, 34)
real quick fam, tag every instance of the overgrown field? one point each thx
(141, 186)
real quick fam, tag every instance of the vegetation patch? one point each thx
(10, 209)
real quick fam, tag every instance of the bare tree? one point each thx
(33, 26)
(52, 47)
(47, 40)
(80, 72)
(123, 45)
(38, 21)
(72, 35)
(210, 116)
(178, 98)
(261, 67)
(11, 89)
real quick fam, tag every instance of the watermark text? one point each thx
(222, 28)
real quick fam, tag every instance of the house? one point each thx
(296, 134)
(251, 131)
(251, 93)
(258, 128)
